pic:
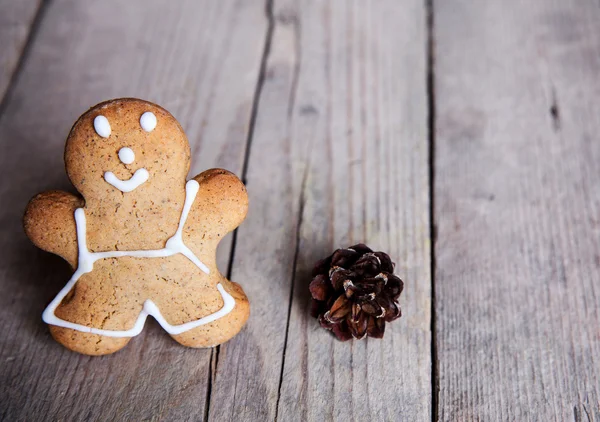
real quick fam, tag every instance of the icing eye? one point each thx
(101, 126)
(126, 155)
(148, 121)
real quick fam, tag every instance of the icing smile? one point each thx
(139, 177)
(127, 156)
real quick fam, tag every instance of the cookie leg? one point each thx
(86, 343)
(223, 329)
(94, 302)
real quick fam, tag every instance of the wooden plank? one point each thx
(201, 61)
(517, 205)
(339, 155)
(16, 22)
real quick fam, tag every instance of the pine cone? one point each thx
(355, 292)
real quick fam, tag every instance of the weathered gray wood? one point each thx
(16, 21)
(517, 203)
(339, 155)
(200, 60)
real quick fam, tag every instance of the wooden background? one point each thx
(461, 136)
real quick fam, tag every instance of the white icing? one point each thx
(139, 177)
(173, 246)
(148, 121)
(101, 126)
(126, 155)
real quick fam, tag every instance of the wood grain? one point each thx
(16, 22)
(517, 203)
(338, 155)
(201, 61)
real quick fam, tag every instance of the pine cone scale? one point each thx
(340, 308)
(320, 287)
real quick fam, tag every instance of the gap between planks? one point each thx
(214, 357)
(31, 36)
(430, 49)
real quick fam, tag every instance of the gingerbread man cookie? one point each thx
(141, 240)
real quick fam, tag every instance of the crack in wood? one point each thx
(302, 202)
(555, 112)
(577, 415)
(295, 22)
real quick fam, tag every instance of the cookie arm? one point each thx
(222, 199)
(49, 222)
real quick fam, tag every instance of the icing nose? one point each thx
(126, 155)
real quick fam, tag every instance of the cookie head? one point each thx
(126, 147)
